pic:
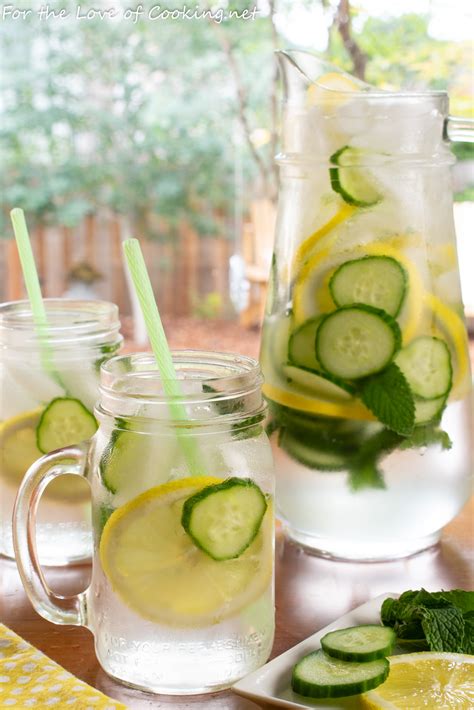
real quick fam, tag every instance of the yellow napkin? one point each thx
(29, 679)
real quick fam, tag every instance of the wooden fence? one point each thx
(183, 270)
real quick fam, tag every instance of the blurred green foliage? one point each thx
(144, 118)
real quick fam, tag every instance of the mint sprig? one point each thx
(442, 621)
(388, 396)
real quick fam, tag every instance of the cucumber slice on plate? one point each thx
(64, 422)
(426, 364)
(224, 519)
(351, 180)
(357, 341)
(359, 643)
(378, 281)
(318, 383)
(301, 348)
(320, 676)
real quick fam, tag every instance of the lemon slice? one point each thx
(307, 246)
(18, 450)
(332, 87)
(425, 680)
(155, 568)
(295, 400)
(453, 325)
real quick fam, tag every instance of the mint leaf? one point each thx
(468, 643)
(460, 598)
(389, 397)
(444, 619)
(444, 629)
(365, 474)
(427, 436)
(363, 466)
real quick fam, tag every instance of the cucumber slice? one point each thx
(359, 643)
(379, 281)
(317, 455)
(301, 349)
(320, 676)
(426, 364)
(133, 462)
(318, 383)
(224, 519)
(428, 410)
(350, 180)
(357, 341)
(64, 422)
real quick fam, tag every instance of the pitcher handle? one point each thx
(459, 129)
(53, 607)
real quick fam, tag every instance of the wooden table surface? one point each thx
(311, 592)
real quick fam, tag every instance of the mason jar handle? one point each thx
(55, 608)
(459, 130)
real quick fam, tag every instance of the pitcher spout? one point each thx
(304, 72)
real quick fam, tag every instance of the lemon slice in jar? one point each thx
(425, 680)
(155, 568)
(19, 450)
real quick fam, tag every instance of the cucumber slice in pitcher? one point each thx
(356, 341)
(224, 519)
(426, 364)
(317, 455)
(301, 346)
(429, 410)
(317, 675)
(318, 383)
(366, 642)
(64, 422)
(379, 281)
(352, 181)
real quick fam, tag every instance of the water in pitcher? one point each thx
(364, 349)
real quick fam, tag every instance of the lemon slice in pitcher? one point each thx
(156, 569)
(425, 680)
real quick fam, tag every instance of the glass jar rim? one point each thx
(68, 320)
(137, 376)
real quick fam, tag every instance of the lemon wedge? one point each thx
(18, 450)
(425, 680)
(155, 568)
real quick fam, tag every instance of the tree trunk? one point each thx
(342, 21)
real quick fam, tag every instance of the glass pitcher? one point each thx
(364, 347)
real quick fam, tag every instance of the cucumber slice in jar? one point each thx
(64, 422)
(133, 462)
(318, 383)
(359, 643)
(426, 364)
(224, 519)
(378, 281)
(356, 341)
(320, 676)
(352, 181)
(301, 348)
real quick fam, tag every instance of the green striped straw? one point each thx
(30, 276)
(161, 351)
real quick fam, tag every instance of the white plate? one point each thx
(271, 683)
